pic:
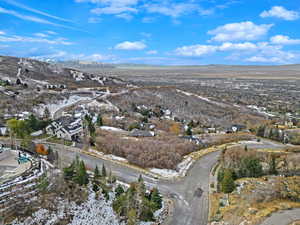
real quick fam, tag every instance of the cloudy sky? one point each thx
(174, 32)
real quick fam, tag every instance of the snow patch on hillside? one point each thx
(54, 107)
(93, 212)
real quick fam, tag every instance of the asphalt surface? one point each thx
(283, 217)
(190, 194)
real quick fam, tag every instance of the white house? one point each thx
(67, 128)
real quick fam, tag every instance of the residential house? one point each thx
(195, 140)
(235, 128)
(68, 128)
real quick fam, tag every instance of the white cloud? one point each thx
(34, 19)
(125, 16)
(176, 10)
(51, 32)
(119, 8)
(25, 17)
(2, 32)
(96, 57)
(246, 46)
(16, 38)
(113, 10)
(280, 12)
(262, 52)
(284, 40)
(41, 35)
(196, 50)
(267, 53)
(247, 31)
(127, 45)
(19, 5)
(151, 52)
(200, 50)
(283, 58)
(63, 55)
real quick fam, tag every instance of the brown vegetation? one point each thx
(40, 149)
(158, 152)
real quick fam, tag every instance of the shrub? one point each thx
(227, 183)
(250, 167)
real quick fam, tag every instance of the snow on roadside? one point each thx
(115, 129)
(250, 142)
(164, 172)
(181, 171)
(109, 156)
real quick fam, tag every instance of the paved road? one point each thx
(189, 204)
(190, 194)
(283, 217)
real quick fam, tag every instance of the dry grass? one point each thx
(257, 199)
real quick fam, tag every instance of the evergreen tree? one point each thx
(81, 175)
(95, 187)
(189, 131)
(273, 170)
(99, 121)
(227, 184)
(103, 171)
(96, 180)
(119, 190)
(69, 172)
(250, 167)
(156, 198)
(271, 134)
(261, 131)
(47, 113)
(96, 173)
(140, 178)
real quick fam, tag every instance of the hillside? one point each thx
(36, 72)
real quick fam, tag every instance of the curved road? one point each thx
(190, 194)
(190, 203)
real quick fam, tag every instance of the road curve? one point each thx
(189, 208)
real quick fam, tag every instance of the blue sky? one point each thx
(166, 32)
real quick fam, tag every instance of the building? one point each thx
(67, 127)
(235, 128)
